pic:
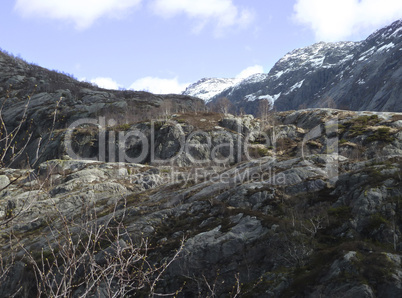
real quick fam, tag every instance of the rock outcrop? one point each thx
(46, 103)
(300, 219)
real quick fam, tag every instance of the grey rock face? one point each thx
(4, 181)
(234, 227)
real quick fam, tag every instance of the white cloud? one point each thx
(83, 13)
(250, 71)
(221, 12)
(158, 85)
(335, 20)
(106, 83)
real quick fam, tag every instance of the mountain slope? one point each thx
(373, 79)
(39, 93)
(363, 75)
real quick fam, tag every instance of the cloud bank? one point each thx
(83, 13)
(336, 20)
(158, 85)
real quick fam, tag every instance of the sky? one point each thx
(162, 46)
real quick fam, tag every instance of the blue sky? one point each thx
(163, 45)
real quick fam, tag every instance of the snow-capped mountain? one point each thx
(208, 88)
(363, 75)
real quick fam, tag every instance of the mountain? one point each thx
(363, 75)
(208, 88)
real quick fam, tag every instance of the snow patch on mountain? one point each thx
(386, 47)
(397, 31)
(207, 88)
(361, 82)
(295, 86)
(346, 59)
(270, 98)
(278, 74)
(255, 78)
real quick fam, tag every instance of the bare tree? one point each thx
(264, 107)
(329, 103)
(14, 139)
(315, 223)
(199, 106)
(166, 107)
(223, 105)
(10, 150)
(266, 114)
(294, 250)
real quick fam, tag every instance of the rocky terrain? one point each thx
(348, 75)
(28, 91)
(314, 211)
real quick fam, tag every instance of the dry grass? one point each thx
(391, 130)
(349, 144)
(396, 117)
(205, 121)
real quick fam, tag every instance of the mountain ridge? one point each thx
(327, 75)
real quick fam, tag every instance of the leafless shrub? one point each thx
(94, 255)
(213, 288)
(6, 263)
(10, 150)
(15, 138)
(83, 255)
(293, 249)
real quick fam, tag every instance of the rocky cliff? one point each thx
(348, 75)
(45, 103)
